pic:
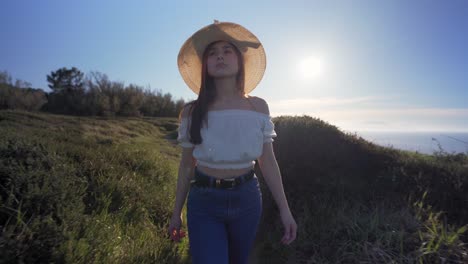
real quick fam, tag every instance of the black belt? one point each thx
(203, 180)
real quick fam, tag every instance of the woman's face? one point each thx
(222, 60)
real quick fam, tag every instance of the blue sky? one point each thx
(359, 65)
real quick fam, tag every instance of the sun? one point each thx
(311, 67)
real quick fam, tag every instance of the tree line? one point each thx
(73, 93)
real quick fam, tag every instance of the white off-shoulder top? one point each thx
(233, 139)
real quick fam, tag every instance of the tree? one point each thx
(67, 91)
(5, 78)
(65, 79)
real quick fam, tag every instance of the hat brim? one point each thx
(190, 55)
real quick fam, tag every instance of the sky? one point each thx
(358, 65)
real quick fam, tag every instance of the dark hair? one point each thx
(198, 108)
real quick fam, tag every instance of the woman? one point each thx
(222, 133)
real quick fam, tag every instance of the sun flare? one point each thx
(311, 68)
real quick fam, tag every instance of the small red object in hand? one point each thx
(177, 236)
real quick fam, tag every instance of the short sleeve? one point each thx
(183, 137)
(268, 131)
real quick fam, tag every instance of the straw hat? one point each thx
(190, 55)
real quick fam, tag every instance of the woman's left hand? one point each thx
(290, 227)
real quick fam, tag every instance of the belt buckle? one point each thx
(233, 183)
(218, 183)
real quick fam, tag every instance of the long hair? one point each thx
(198, 108)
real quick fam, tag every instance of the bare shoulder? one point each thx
(186, 111)
(260, 104)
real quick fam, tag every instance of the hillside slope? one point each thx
(87, 190)
(101, 190)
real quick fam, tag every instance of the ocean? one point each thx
(422, 142)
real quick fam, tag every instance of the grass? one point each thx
(86, 190)
(101, 190)
(357, 202)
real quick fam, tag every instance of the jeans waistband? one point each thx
(202, 179)
(199, 173)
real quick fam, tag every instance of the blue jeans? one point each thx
(222, 223)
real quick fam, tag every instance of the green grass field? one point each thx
(101, 190)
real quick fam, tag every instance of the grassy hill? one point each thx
(357, 202)
(101, 190)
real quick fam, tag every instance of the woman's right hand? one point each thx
(174, 231)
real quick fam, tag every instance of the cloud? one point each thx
(371, 122)
(355, 114)
(400, 113)
(304, 103)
